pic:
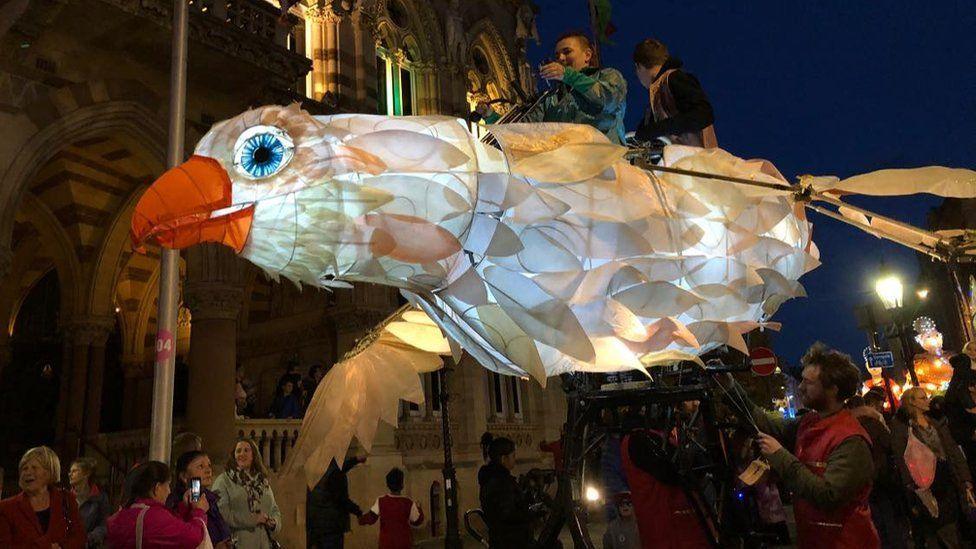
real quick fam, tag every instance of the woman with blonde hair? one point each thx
(41, 515)
(932, 468)
(246, 500)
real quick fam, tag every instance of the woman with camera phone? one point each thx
(194, 478)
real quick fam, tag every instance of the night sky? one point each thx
(826, 88)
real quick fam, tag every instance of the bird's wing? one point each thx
(579, 261)
(365, 388)
(936, 180)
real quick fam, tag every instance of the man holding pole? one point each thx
(584, 93)
(830, 469)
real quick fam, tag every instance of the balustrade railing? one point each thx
(274, 438)
(255, 17)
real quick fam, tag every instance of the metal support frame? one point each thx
(161, 430)
(584, 405)
(951, 251)
(452, 539)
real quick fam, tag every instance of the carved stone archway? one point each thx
(94, 108)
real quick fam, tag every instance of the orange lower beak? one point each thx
(178, 210)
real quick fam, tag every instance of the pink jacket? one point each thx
(160, 528)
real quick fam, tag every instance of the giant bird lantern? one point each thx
(551, 254)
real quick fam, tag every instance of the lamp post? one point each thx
(892, 293)
(872, 326)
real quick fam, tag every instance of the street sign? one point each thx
(762, 360)
(881, 359)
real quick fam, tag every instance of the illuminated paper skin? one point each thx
(551, 255)
(548, 256)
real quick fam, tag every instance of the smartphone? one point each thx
(195, 488)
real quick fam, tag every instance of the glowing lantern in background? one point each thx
(932, 368)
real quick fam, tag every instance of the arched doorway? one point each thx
(31, 383)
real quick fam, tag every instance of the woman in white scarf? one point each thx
(246, 500)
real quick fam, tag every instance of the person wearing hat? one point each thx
(622, 531)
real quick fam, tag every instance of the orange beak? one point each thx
(184, 207)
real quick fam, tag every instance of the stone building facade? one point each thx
(83, 118)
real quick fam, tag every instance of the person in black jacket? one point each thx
(93, 503)
(887, 501)
(502, 500)
(678, 108)
(327, 507)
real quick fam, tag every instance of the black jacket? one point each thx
(886, 473)
(505, 507)
(695, 111)
(94, 512)
(328, 505)
(900, 428)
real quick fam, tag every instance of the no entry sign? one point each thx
(762, 360)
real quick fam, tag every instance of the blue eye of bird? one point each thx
(262, 151)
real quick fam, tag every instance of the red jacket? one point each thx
(849, 526)
(396, 515)
(160, 527)
(665, 517)
(20, 529)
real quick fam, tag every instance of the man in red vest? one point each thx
(830, 468)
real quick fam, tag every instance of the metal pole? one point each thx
(596, 33)
(452, 538)
(964, 308)
(161, 430)
(873, 341)
(907, 352)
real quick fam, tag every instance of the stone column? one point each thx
(133, 369)
(64, 390)
(214, 294)
(332, 21)
(96, 377)
(315, 21)
(358, 20)
(80, 334)
(6, 261)
(5, 356)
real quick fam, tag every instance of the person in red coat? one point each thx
(666, 518)
(830, 468)
(396, 513)
(42, 515)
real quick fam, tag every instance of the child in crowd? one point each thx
(396, 514)
(622, 531)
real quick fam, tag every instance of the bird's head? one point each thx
(212, 196)
(312, 197)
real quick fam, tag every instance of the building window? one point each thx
(395, 90)
(515, 396)
(435, 393)
(496, 394)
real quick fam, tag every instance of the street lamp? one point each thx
(892, 293)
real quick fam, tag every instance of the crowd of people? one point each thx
(293, 393)
(186, 507)
(180, 507)
(861, 470)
